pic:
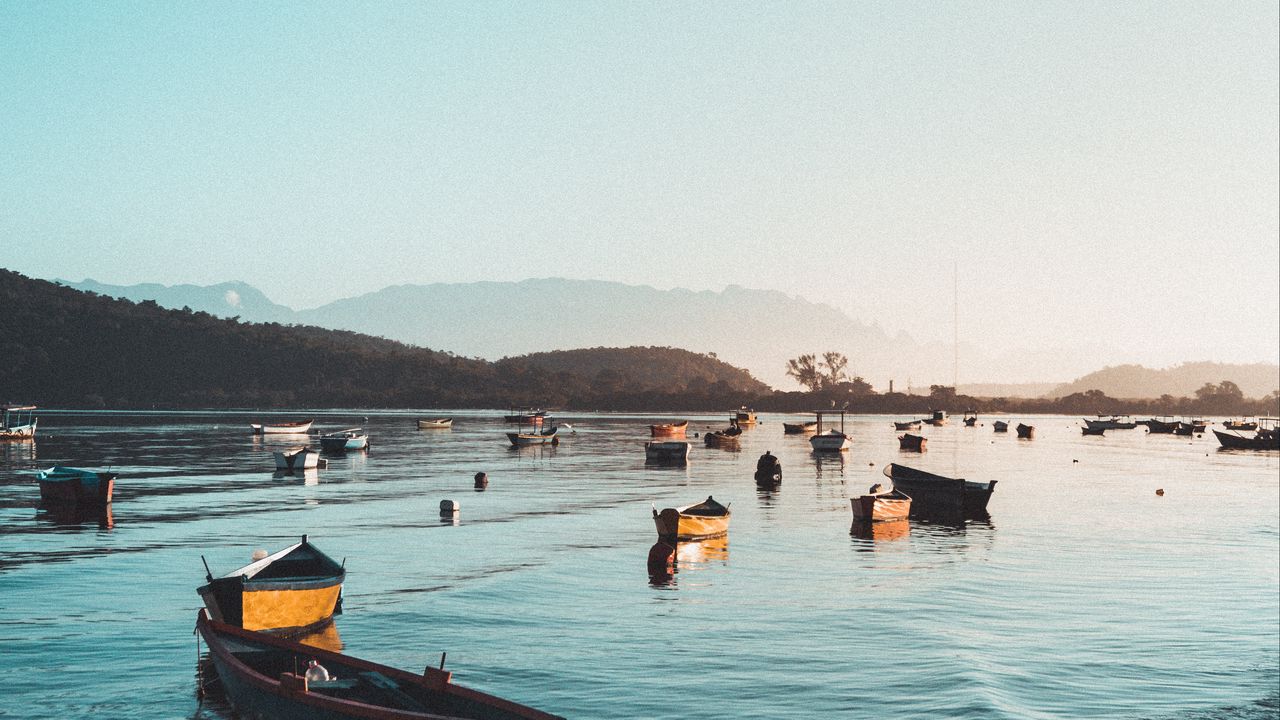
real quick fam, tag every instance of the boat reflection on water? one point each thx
(78, 516)
(880, 531)
(309, 476)
(830, 464)
(667, 559)
(16, 451)
(325, 638)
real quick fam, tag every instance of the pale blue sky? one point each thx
(1105, 175)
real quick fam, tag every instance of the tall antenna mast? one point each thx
(955, 325)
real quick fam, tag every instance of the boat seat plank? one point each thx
(391, 688)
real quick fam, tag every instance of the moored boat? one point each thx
(913, 443)
(1190, 427)
(299, 457)
(768, 470)
(667, 452)
(1092, 430)
(669, 429)
(1265, 438)
(1114, 422)
(524, 415)
(72, 486)
(880, 505)
(1000, 426)
(832, 440)
(295, 588)
(1161, 427)
(692, 522)
(729, 438)
(930, 492)
(970, 418)
(745, 417)
(435, 424)
(538, 434)
(279, 678)
(349, 440)
(799, 428)
(1026, 432)
(17, 422)
(937, 419)
(908, 425)
(1246, 425)
(292, 428)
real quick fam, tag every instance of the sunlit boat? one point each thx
(436, 424)
(278, 678)
(728, 439)
(669, 429)
(73, 486)
(666, 452)
(832, 440)
(299, 457)
(936, 492)
(349, 440)
(745, 417)
(17, 422)
(537, 435)
(799, 428)
(912, 443)
(1026, 432)
(296, 588)
(881, 505)
(293, 428)
(692, 522)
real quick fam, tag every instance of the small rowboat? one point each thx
(692, 522)
(293, 428)
(296, 458)
(437, 424)
(272, 677)
(1092, 430)
(296, 588)
(931, 492)
(668, 452)
(912, 443)
(73, 486)
(344, 441)
(799, 428)
(534, 437)
(1000, 426)
(728, 439)
(1026, 432)
(908, 425)
(880, 505)
(669, 429)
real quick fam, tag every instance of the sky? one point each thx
(1098, 177)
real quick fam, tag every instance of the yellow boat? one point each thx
(288, 591)
(692, 522)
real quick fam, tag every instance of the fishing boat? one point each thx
(667, 452)
(349, 440)
(1000, 426)
(832, 440)
(940, 493)
(1114, 422)
(1242, 424)
(292, 428)
(1161, 427)
(908, 425)
(803, 428)
(1266, 437)
(728, 439)
(938, 419)
(436, 424)
(880, 505)
(538, 433)
(1026, 432)
(1190, 427)
(692, 522)
(299, 457)
(1092, 430)
(745, 417)
(970, 418)
(669, 429)
(296, 588)
(17, 422)
(524, 415)
(283, 679)
(73, 486)
(912, 443)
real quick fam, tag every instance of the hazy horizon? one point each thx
(1101, 181)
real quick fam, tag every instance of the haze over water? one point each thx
(1084, 595)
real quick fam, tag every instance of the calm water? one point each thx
(1085, 595)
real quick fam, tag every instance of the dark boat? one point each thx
(728, 438)
(1160, 427)
(768, 470)
(908, 425)
(1092, 430)
(296, 588)
(73, 486)
(1000, 426)
(1246, 425)
(1194, 427)
(524, 415)
(1265, 439)
(913, 443)
(937, 493)
(1026, 432)
(1110, 423)
(799, 428)
(970, 418)
(666, 452)
(272, 677)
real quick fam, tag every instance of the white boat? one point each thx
(540, 433)
(344, 440)
(436, 424)
(292, 428)
(296, 458)
(832, 440)
(16, 426)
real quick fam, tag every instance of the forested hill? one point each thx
(1136, 381)
(66, 348)
(648, 368)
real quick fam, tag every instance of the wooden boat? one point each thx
(349, 440)
(1190, 427)
(908, 425)
(729, 439)
(880, 505)
(1245, 425)
(745, 417)
(1092, 430)
(14, 425)
(293, 428)
(931, 492)
(73, 486)
(538, 434)
(1000, 426)
(1161, 427)
(799, 428)
(669, 429)
(296, 588)
(832, 440)
(913, 443)
(524, 415)
(1110, 423)
(970, 418)
(300, 457)
(938, 419)
(436, 424)
(1026, 432)
(692, 522)
(667, 452)
(273, 677)
(1265, 438)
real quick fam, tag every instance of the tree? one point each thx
(835, 363)
(805, 371)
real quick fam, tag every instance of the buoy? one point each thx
(449, 507)
(1160, 491)
(259, 554)
(1075, 461)
(482, 481)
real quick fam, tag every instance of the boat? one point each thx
(799, 428)
(939, 493)
(299, 457)
(436, 424)
(970, 418)
(1113, 422)
(1161, 427)
(1026, 432)
(745, 417)
(539, 433)
(1245, 425)
(908, 425)
(14, 425)
(692, 522)
(1000, 426)
(283, 679)
(1266, 437)
(880, 505)
(669, 429)
(1092, 430)
(72, 486)
(768, 470)
(1190, 427)
(914, 443)
(832, 440)
(938, 419)
(288, 591)
(524, 415)
(667, 452)
(349, 440)
(292, 428)
(729, 438)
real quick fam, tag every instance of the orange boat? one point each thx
(295, 588)
(881, 505)
(669, 429)
(692, 522)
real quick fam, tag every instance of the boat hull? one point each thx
(298, 459)
(282, 428)
(799, 428)
(913, 425)
(344, 444)
(1026, 432)
(1264, 441)
(830, 442)
(667, 453)
(937, 494)
(435, 424)
(672, 525)
(672, 430)
(884, 507)
(719, 439)
(297, 589)
(527, 439)
(18, 432)
(81, 488)
(913, 443)
(1000, 426)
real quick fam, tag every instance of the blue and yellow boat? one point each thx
(294, 589)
